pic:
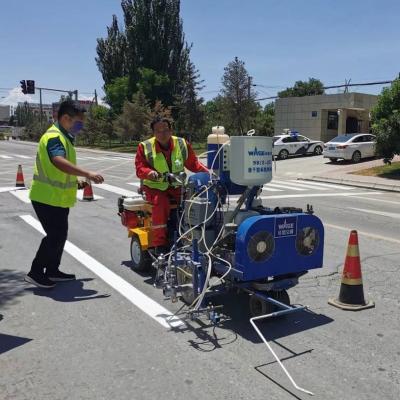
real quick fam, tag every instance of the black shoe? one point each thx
(39, 280)
(58, 276)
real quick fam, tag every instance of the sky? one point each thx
(281, 41)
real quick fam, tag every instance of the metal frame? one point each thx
(286, 310)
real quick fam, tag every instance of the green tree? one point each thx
(240, 105)
(189, 115)
(214, 114)
(265, 120)
(111, 53)
(151, 52)
(386, 122)
(117, 92)
(133, 122)
(154, 86)
(304, 88)
(97, 126)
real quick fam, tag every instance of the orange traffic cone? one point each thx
(88, 192)
(351, 295)
(20, 177)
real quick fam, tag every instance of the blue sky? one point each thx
(281, 41)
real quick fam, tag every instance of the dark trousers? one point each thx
(55, 223)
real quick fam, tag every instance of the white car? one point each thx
(352, 147)
(295, 145)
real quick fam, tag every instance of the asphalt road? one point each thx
(100, 338)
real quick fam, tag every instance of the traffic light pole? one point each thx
(41, 106)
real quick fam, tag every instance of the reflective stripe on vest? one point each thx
(41, 177)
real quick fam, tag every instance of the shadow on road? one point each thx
(11, 285)
(9, 342)
(70, 291)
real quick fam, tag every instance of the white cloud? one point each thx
(15, 96)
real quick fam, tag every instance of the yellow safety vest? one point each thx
(50, 185)
(158, 162)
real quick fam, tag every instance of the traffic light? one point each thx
(23, 87)
(30, 87)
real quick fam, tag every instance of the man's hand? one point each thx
(153, 175)
(95, 177)
(82, 184)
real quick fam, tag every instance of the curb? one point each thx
(349, 182)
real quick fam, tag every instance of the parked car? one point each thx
(352, 147)
(295, 145)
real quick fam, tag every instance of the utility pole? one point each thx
(248, 87)
(95, 97)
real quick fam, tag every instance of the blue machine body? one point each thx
(274, 245)
(216, 161)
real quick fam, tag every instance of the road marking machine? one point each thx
(219, 246)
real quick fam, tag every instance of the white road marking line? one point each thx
(23, 195)
(329, 185)
(269, 189)
(382, 213)
(5, 157)
(9, 189)
(285, 187)
(137, 184)
(135, 296)
(367, 234)
(290, 196)
(116, 189)
(21, 156)
(301, 185)
(381, 200)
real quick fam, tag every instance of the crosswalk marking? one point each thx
(329, 185)
(5, 157)
(275, 185)
(301, 185)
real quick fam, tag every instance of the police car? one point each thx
(293, 144)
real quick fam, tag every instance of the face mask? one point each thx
(76, 127)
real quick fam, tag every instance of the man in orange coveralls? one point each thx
(156, 156)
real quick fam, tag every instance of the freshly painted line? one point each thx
(329, 185)
(301, 185)
(135, 296)
(381, 200)
(367, 234)
(21, 156)
(285, 187)
(137, 184)
(382, 213)
(116, 190)
(289, 196)
(9, 189)
(5, 157)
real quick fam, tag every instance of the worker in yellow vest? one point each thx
(163, 153)
(53, 192)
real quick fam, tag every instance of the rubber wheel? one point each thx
(356, 157)
(261, 307)
(283, 154)
(333, 159)
(140, 259)
(318, 151)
